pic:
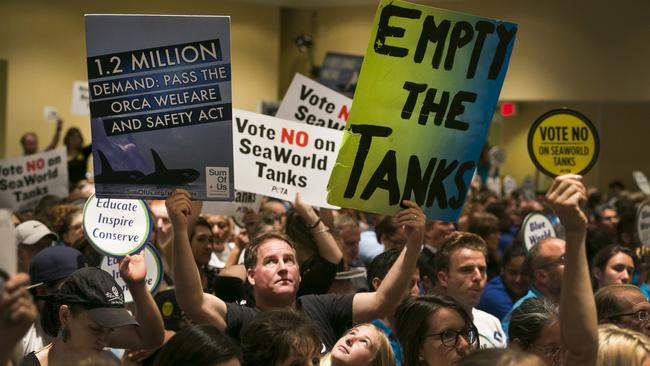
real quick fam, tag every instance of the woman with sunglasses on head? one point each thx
(434, 331)
(88, 314)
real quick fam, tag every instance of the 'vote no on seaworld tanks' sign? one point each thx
(427, 91)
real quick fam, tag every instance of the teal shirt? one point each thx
(506, 320)
(394, 343)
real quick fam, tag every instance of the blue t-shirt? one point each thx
(394, 343)
(506, 320)
(495, 298)
(646, 291)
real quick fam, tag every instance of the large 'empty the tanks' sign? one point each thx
(428, 88)
(160, 105)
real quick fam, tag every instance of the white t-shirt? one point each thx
(35, 338)
(489, 329)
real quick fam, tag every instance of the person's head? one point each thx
(73, 139)
(390, 234)
(535, 328)
(50, 267)
(613, 265)
(363, 345)
(606, 218)
(379, 267)
(350, 234)
(280, 338)
(436, 231)
(461, 267)
(625, 306)
(32, 236)
(199, 345)
(202, 242)
(72, 229)
(163, 224)
(622, 347)
(29, 143)
(501, 357)
(85, 310)
(485, 225)
(222, 229)
(434, 331)
(272, 269)
(513, 274)
(545, 266)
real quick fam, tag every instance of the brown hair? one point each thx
(250, 257)
(455, 241)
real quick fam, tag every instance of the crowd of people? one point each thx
(293, 285)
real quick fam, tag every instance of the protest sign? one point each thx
(340, 72)
(419, 120)
(493, 185)
(278, 158)
(50, 114)
(310, 102)
(154, 271)
(528, 187)
(80, 98)
(116, 227)
(536, 227)
(641, 181)
(243, 201)
(8, 249)
(563, 141)
(25, 180)
(509, 185)
(643, 223)
(160, 104)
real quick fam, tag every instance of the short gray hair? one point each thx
(528, 320)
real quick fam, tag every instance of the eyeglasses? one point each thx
(641, 315)
(449, 338)
(558, 261)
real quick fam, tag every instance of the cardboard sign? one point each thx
(641, 181)
(116, 227)
(563, 141)
(643, 223)
(25, 180)
(160, 103)
(536, 227)
(422, 109)
(340, 72)
(497, 156)
(50, 114)
(308, 101)
(278, 158)
(8, 249)
(243, 201)
(80, 98)
(154, 271)
(509, 185)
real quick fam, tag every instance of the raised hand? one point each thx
(413, 220)
(305, 211)
(133, 269)
(179, 208)
(566, 195)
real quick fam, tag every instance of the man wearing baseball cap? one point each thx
(47, 271)
(32, 236)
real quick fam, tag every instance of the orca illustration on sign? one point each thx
(163, 176)
(110, 176)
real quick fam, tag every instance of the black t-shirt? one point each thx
(77, 166)
(30, 360)
(316, 276)
(332, 313)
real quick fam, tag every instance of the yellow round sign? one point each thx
(563, 141)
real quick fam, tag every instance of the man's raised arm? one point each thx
(382, 303)
(578, 321)
(199, 306)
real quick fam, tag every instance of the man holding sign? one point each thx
(427, 91)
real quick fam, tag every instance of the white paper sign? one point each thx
(50, 114)
(528, 187)
(497, 156)
(536, 227)
(494, 185)
(641, 181)
(312, 103)
(80, 98)
(509, 185)
(154, 271)
(278, 158)
(25, 180)
(243, 201)
(643, 223)
(8, 256)
(116, 227)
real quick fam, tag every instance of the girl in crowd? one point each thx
(363, 345)
(535, 328)
(613, 264)
(77, 155)
(88, 314)
(199, 345)
(434, 331)
(622, 347)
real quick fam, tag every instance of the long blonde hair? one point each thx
(383, 356)
(621, 347)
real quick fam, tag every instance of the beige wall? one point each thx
(44, 46)
(590, 55)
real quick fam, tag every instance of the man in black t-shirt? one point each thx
(272, 270)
